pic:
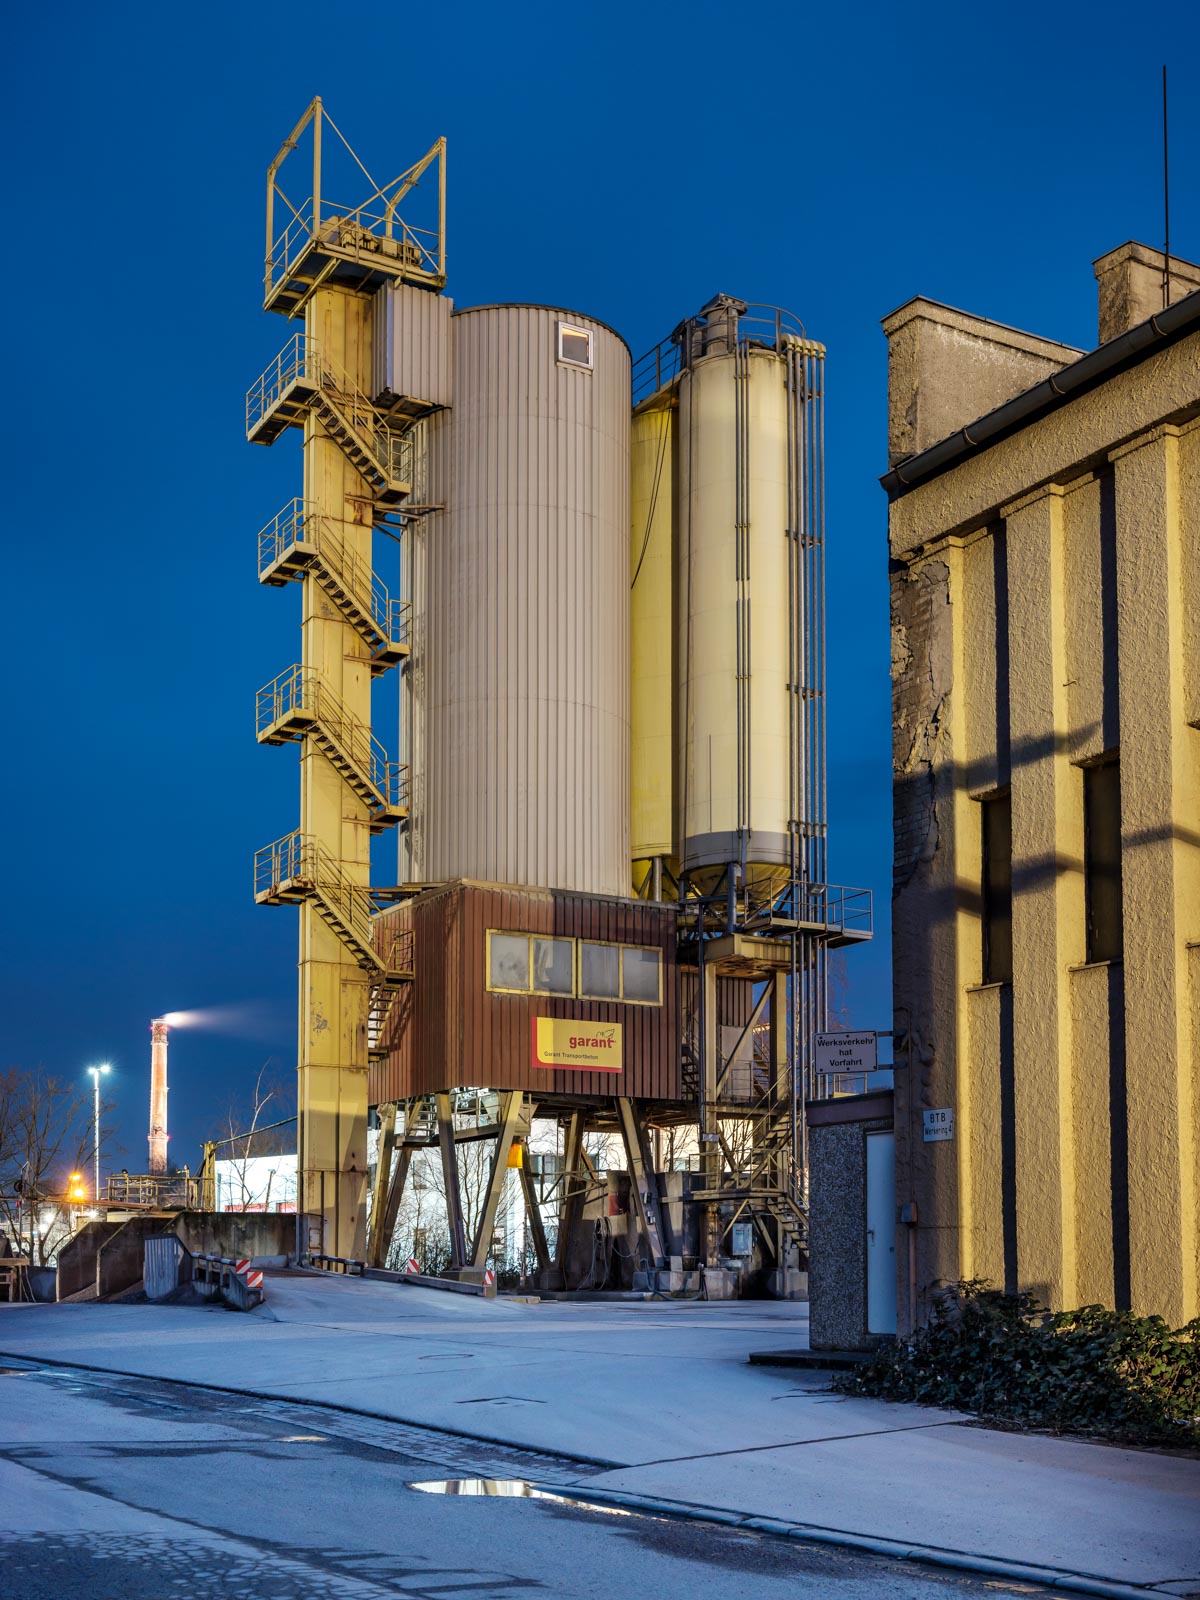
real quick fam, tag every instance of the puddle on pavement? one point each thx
(512, 1489)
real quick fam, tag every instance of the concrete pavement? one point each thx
(119, 1488)
(662, 1396)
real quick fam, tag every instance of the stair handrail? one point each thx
(303, 358)
(300, 859)
(392, 451)
(300, 522)
(302, 688)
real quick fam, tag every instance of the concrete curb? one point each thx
(897, 1550)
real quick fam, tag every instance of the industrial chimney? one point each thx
(158, 1095)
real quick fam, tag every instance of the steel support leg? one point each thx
(454, 1213)
(394, 1196)
(536, 1227)
(568, 1206)
(513, 1122)
(642, 1180)
(376, 1244)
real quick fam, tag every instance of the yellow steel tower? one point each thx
(326, 264)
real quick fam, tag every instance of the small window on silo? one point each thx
(599, 971)
(554, 966)
(508, 961)
(574, 345)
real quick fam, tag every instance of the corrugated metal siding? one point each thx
(521, 658)
(411, 348)
(459, 1034)
(163, 1254)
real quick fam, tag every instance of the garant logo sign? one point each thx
(572, 1046)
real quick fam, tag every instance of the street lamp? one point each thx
(95, 1072)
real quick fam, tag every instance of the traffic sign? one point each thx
(846, 1052)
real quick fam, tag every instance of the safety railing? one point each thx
(297, 865)
(840, 910)
(350, 1266)
(238, 1283)
(302, 359)
(291, 364)
(149, 1189)
(300, 691)
(371, 231)
(302, 524)
(760, 327)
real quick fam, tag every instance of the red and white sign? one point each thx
(489, 1278)
(411, 1265)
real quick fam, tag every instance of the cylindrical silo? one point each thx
(521, 652)
(652, 621)
(736, 704)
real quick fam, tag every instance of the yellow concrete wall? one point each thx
(1099, 503)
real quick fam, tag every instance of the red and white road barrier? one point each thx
(411, 1265)
(489, 1279)
(242, 1267)
(253, 1280)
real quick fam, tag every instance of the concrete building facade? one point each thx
(1044, 533)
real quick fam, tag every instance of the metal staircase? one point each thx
(297, 868)
(300, 541)
(385, 984)
(764, 1182)
(298, 704)
(302, 381)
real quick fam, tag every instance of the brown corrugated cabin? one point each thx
(544, 990)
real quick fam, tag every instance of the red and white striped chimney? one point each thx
(158, 1095)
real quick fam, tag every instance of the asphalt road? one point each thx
(121, 1488)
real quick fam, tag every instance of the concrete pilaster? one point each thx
(1048, 908)
(333, 1067)
(1160, 869)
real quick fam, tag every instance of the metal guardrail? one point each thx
(291, 364)
(302, 360)
(237, 1283)
(149, 1189)
(759, 326)
(301, 524)
(372, 231)
(301, 690)
(304, 866)
(346, 1265)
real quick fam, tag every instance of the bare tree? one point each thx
(46, 1138)
(251, 1129)
(420, 1230)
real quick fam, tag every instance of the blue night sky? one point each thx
(628, 161)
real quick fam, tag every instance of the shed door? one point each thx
(881, 1233)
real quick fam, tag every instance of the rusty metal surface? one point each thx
(447, 1030)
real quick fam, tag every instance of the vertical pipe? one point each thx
(442, 208)
(318, 113)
